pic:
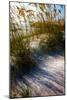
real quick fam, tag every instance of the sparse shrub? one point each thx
(17, 92)
(52, 44)
(26, 92)
(43, 45)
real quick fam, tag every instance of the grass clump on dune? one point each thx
(21, 51)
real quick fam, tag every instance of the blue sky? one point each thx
(62, 8)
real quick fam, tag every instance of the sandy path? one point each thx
(47, 78)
